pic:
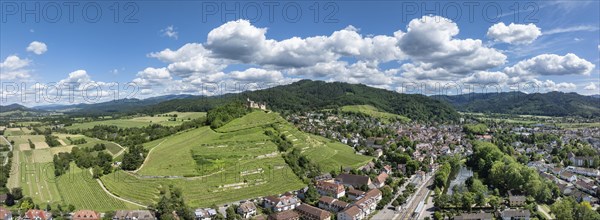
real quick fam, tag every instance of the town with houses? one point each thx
(399, 182)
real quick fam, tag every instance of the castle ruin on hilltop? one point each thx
(257, 105)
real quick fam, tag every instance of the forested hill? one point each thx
(314, 95)
(548, 104)
(13, 107)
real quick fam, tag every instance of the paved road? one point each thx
(419, 196)
(387, 212)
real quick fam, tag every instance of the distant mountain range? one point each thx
(313, 95)
(13, 107)
(548, 104)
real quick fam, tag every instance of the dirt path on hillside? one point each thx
(115, 196)
(148, 156)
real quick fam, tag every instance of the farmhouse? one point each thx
(281, 203)
(35, 214)
(335, 190)
(247, 209)
(353, 180)
(331, 204)
(285, 215)
(308, 212)
(5, 214)
(85, 215)
(133, 215)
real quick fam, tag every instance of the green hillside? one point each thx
(238, 160)
(374, 112)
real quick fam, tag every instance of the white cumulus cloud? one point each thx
(37, 47)
(551, 64)
(514, 33)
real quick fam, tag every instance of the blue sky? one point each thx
(166, 48)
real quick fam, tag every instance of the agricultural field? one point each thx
(163, 119)
(77, 187)
(33, 171)
(111, 147)
(374, 112)
(14, 132)
(237, 162)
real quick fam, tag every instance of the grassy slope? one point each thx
(238, 162)
(374, 112)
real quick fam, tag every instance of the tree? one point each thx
(437, 215)
(495, 202)
(17, 193)
(312, 196)
(231, 215)
(468, 200)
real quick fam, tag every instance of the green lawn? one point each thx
(142, 121)
(374, 112)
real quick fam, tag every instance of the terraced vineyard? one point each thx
(237, 162)
(79, 188)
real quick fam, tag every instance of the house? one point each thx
(510, 214)
(368, 202)
(352, 213)
(35, 214)
(86, 215)
(247, 209)
(584, 171)
(332, 204)
(133, 215)
(5, 214)
(353, 180)
(556, 170)
(378, 153)
(581, 161)
(387, 169)
(308, 212)
(380, 180)
(334, 190)
(515, 201)
(355, 194)
(285, 215)
(475, 216)
(204, 214)
(568, 176)
(587, 187)
(281, 203)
